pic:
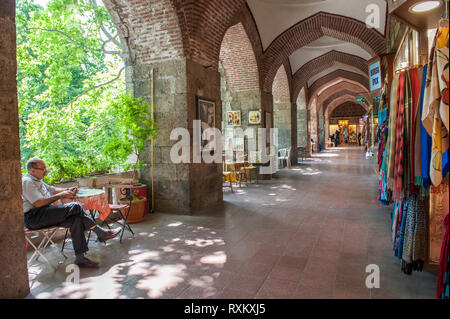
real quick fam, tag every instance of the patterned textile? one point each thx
(435, 111)
(443, 275)
(400, 230)
(407, 133)
(420, 234)
(97, 202)
(399, 144)
(413, 257)
(415, 94)
(383, 135)
(390, 155)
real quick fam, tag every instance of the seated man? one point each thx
(38, 198)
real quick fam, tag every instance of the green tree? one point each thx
(67, 54)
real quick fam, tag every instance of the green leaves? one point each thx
(66, 81)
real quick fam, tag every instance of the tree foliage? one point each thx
(73, 111)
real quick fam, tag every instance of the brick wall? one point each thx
(280, 86)
(238, 60)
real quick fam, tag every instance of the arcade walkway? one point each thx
(309, 233)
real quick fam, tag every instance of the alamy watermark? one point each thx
(373, 19)
(74, 274)
(208, 146)
(373, 280)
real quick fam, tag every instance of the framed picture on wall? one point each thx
(234, 118)
(254, 117)
(206, 113)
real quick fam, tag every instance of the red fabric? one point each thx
(399, 145)
(415, 91)
(97, 202)
(444, 260)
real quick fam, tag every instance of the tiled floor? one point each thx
(308, 233)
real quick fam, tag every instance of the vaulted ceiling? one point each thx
(303, 31)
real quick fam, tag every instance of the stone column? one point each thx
(282, 121)
(322, 137)
(13, 259)
(294, 130)
(314, 125)
(179, 188)
(302, 120)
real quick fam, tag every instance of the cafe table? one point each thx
(92, 200)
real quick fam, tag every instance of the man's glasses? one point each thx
(43, 169)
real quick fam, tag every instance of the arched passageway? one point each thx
(301, 65)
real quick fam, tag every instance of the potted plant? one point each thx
(138, 128)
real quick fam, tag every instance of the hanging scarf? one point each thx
(425, 139)
(420, 233)
(435, 114)
(393, 106)
(407, 133)
(443, 275)
(399, 144)
(383, 132)
(415, 94)
(415, 236)
(417, 136)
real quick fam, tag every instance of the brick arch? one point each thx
(330, 77)
(313, 28)
(340, 100)
(280, 87)
(358, 109)
(165, 29)
(324, 62)
(204, 23)
(238, 60)
(326, 103)
(148, 31)
(245, 17)
(344, 86)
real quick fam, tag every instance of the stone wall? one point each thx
(178, 188)
(282, 121)
(321, 127)
(302, 120)
(13, 261)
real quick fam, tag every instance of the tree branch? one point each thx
(97, 86)
(66, 35)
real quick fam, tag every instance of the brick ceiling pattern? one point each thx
(333, 97)
(343, 86)
(348, 109)
(324, 62)
(313, 28)
(324, 81)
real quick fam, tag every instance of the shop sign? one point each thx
(375, 76)
(360, 100)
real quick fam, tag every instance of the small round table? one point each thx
(92, 199)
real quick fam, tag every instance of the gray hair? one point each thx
(32, 162)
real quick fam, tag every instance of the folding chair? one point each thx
(118, 208)
(47, 238)
(121, 183)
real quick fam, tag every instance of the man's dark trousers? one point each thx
(71, 216)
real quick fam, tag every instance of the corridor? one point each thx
(308, 233)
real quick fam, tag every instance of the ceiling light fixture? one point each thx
(424, 6)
